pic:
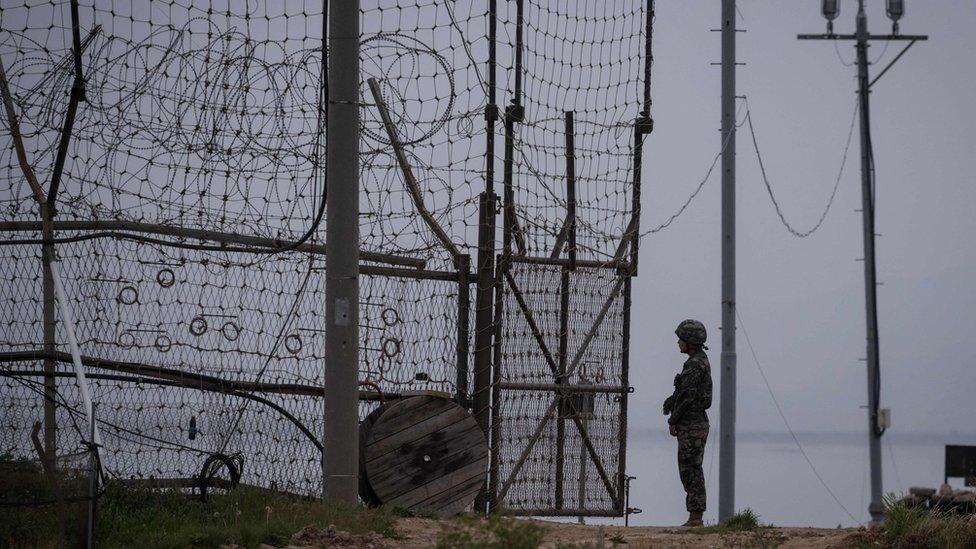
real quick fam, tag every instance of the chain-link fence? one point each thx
(168, 157)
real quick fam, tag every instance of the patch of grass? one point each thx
(909, 526)
(746, 520)
(244, 516)
(494, 532)
(906, 526)
(28, 517)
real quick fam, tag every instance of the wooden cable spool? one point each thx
(421, 453)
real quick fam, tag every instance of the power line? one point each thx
(769, 189)
(711, 168)
(701, 184)
(786, 422)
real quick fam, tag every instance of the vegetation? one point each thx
(742, 529)
(907, 526)
(744, 521)
(154, 519)
(494, 532)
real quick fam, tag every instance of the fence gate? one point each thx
(561, 390)
(570, 174)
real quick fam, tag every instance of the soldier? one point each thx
(688, 420)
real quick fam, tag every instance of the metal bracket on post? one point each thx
(644, 124)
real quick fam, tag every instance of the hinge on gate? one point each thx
(491, 113)
(644, 124)
(514, 113)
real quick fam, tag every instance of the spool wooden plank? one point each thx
(365, 492)
(423, 453)
(438, 423)
(402, 458)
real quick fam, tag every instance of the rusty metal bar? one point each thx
(463, 324)
(200, 387)
(629, 236)
(562, 513)
(200, 234)
(416, 274)
(625, 380)
(282, 388)
(481, 402)
(597, 462)
(182, 378)
(412, 187)
(563, 262)
(503, 265)
(77, 96)
(566, 389)
(559, 378)
(50, 337)
(14, 126)
(571, 188)
(532, 325)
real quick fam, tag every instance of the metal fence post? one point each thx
(463, 328)
(92, 481)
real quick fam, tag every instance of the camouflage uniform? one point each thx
(692, 396)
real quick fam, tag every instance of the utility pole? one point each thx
(340, 456)
(895, 10)
(726, 453)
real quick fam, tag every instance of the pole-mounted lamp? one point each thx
(895, 10)
(830, 10)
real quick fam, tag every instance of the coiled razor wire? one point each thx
(206, 118)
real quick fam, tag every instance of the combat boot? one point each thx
(694, 519)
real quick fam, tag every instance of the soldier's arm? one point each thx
(687, 394)
(669, 402)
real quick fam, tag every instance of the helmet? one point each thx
(691, 331)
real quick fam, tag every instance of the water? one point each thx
(773, 478)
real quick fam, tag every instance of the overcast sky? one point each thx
(802, 300)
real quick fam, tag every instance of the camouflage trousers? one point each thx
(691, 451)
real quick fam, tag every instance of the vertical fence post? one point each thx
(92, 481)
(570, 227)
(571, 187)
(484, 326)
(496, 376)
(50, 342)
(340, 459)
(463, 335)
(484, 330)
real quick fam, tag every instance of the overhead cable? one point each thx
(769, 189)
(786, 422)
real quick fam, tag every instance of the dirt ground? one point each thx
(416, 532)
